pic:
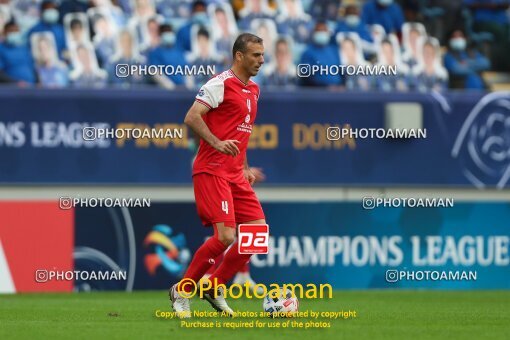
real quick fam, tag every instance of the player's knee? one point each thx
(226, 238)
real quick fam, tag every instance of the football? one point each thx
(282, 305)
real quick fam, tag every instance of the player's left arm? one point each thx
(252, 174)
(250, 177)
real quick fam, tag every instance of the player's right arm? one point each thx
(195, 122)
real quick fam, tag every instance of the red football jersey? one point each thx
(233, 109)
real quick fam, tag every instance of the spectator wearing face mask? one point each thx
(352, 23)
(50, 22)
(386, 13)
(16, 63)
(168, 53)
(198, 17)
(319, 52)
(464, 66)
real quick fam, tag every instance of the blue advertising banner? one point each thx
(466, 141)
(466, 246)
(153, 245)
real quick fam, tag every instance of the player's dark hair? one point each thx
(241, 43)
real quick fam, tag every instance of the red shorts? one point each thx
(218, 200)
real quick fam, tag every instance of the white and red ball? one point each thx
(281, 305)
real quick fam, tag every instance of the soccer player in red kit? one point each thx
(223, 115)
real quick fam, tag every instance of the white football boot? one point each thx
(180, 304)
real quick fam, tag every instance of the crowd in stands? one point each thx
(80, 43)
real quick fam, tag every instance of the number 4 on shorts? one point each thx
(224, 206)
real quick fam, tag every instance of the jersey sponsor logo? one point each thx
(246, 91)
(253, 238)
(244, 127)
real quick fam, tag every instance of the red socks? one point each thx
(204, 258)
(231, 264)
(210, 258)
(219, 259)
(216, 264)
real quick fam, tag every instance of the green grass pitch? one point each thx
(381, 314)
